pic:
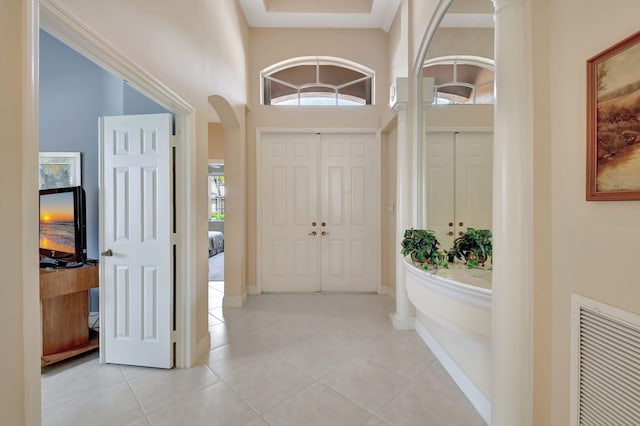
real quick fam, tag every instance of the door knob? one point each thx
(450, 233)
(313, 224)
(324, 233)
(461, 224)
(450, 223)
(324, 224)
(460, 233)
(312, 233)
(107, 252)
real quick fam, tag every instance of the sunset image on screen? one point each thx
(56, 222)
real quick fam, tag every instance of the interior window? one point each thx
(461, 80)
(317, 81)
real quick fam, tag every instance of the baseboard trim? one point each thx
(399, 323)
(204, 346)
(387, 291)
(480, 402)
(252, 289)
(234, 301)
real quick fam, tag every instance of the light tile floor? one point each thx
(298, 360)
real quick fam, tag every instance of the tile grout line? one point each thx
(135, 395)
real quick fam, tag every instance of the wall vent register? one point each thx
(607, 367)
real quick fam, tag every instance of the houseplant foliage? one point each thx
(423, 247)
(474, 246)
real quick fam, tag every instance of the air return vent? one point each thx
(606, 365)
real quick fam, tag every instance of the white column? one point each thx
(512, 325)
(401, 318)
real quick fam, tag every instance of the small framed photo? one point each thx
(60, 169)
(613, 122)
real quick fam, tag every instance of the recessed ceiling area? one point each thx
(320, 13)
(469, 14)
(315, 6)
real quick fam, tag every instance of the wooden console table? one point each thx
(64, 308)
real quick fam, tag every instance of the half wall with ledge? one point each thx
(453, 318)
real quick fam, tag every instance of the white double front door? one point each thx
(319, 212)
(458, 182)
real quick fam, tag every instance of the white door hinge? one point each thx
(173, 141)
(173, 238)
(174, 338)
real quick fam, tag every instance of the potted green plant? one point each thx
(423, 247)
(474, 246)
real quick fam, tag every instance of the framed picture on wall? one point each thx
(60, 169)
(613, 122)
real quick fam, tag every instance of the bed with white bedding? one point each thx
(216, 243)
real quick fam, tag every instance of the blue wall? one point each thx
(74, 92)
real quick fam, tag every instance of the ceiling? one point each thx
(469, 14)
(320, 13)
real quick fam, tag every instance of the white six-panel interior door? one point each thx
(319, 211)
(136, 264)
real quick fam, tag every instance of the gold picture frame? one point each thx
(613, 122)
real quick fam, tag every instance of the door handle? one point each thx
(324, 233)
(312, 233)
(107, 252)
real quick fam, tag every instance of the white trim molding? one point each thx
(234, 301)
(478, 399)
(465, 293)
(204, 346)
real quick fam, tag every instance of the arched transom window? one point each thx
(317, 81)
(461, 79)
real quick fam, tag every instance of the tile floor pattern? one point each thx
(298, 360)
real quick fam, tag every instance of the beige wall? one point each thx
(542, 250)
(388, 162)
(421, 12)
(594, 245)
(269, 46)
(12, 385)
(196, 51)
(398, 37)
(206, 46)
(462, 41)
(216, 141)
(459, 116)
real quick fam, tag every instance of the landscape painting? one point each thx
(59, 169)
(613, 151)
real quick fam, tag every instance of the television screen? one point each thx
(62, 223)
(57, 226)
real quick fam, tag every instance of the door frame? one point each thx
(60, 23)
(266, 130)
